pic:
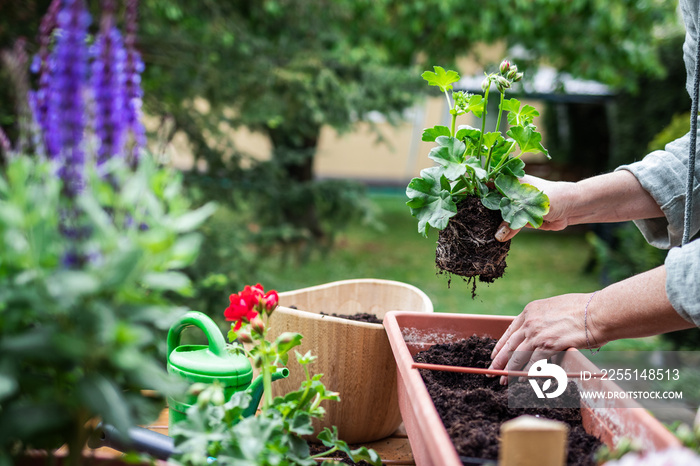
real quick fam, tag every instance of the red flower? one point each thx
(239, 310)
(246, 304)
(252, 295)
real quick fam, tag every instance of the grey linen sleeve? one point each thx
(663, 175)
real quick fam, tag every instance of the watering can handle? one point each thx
(217, 344)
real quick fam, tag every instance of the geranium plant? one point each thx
(216, 427)
(476, 163)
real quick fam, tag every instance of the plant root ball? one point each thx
(467, 246)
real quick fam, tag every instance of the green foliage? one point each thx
(82, 343)
(676, 129)
(626, 253)
(639, 120)
(218, 429)
(472, 162)
(223, 429)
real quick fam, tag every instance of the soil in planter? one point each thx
(473, 407)
(467, 246)
(359, 317)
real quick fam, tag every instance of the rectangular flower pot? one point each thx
(410, 333)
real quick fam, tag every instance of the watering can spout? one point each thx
(256, 389)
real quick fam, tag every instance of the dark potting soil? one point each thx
(467, 246)
(473, 407)
(359, 317)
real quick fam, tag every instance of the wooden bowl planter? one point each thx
(410, 333)
(355, 358)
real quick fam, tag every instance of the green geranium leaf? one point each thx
(431, 134)
(528, 139)
(450, 154)
(476, 105)
(514, 167)
(521, 203)
(286, 341)
(518, 116)
(429, 202)
(511, 105)
(492, 200)
(491, 138)
(301, 424)
(475, 166)
(441, 78)
(365, 454)
(528, 114)
(467, 132)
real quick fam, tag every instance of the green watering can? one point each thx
(207, 363)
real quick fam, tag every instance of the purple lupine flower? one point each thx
(40, 65)
(108, 86)
(134, 93)
(66, 107)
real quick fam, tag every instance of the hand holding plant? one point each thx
(474, 162)
(217, 428)
(476, 185)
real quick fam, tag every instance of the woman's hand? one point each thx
(613, 197)
(635, 307)
(559, 193)
(544, 328)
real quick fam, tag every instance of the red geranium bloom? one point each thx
(252, 295)
(239, 310)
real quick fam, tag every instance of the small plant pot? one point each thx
(354, 357)
(431, 445)
(467, 246)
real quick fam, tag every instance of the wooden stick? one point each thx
(496, 372)
(531, 441)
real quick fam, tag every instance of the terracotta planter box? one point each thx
(354, 357)
(411, 333)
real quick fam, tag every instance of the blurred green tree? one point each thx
(286, 68)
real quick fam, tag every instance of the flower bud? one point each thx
(505, 66)
(270, 301)
(245, 337)
(257, 326)
(518, 77)
(502, 83)
(512, 72)
(486, 83)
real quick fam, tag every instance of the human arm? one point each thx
(635, 307)
(613, 197)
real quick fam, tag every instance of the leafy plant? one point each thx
(93, 237)
(83, 342)
(217, 428)
(474, 162)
